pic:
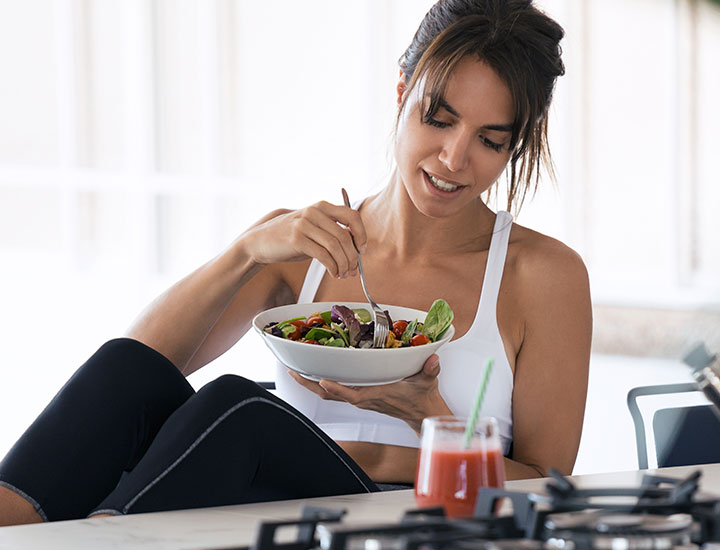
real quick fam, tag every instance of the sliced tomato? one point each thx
(399, 327)
(419, 340)
(311, 341)
(315, 321)
(299, 325)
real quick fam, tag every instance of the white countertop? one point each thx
(235, 526)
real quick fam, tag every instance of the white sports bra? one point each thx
(462, 362)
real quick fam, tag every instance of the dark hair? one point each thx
(521, 44)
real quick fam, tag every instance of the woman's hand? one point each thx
(313, 232)
(411, 399)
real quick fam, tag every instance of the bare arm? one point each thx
(178, 322)
(204, 314)
(551, 371)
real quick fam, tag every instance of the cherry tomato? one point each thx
(399, 327)
(299, 325)
(315, 321)
(419, 340)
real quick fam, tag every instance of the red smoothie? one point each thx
(452, 477)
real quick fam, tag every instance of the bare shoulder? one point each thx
(543, 267)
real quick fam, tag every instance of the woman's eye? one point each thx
(497, 147)
(434, 122)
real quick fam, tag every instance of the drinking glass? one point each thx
(448, 473)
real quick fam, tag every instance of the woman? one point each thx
(128, 434)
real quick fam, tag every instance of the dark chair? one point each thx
(683, 435)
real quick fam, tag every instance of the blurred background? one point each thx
(139, 138)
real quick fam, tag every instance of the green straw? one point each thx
(472, 419)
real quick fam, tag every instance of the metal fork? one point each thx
(382, 326)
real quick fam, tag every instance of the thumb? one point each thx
(432, 366)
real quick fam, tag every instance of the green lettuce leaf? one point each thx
(438, 320)
(336, 343)
(409, 332)
(317, 333)
(342, 333)
(362, 315)
(287, 330)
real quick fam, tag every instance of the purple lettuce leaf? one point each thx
(347, 316)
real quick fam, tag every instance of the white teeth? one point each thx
(443, 185)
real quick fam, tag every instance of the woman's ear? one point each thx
(401, 88)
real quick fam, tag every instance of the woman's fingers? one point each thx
(312, 386)
(348, 217)
(339, 392)
(326, 234)
(351, 219)
(321, 223)
(321, 231)
(344, 223)
(431, 367)
(327, 389)
(310, 248)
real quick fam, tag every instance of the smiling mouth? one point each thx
(442, 185)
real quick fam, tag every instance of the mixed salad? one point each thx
(343, 327)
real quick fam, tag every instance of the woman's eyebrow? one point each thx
(445, 105)
(497, 127)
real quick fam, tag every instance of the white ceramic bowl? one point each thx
(350, 366)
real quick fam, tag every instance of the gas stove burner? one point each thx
(657, 514)
(599, 530)
(604, 523)
(653, 492)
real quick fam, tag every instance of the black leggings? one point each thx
(128, 434)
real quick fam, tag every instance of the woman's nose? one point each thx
(454, 153)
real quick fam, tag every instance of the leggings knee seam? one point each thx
(216, 423)
(27, 497)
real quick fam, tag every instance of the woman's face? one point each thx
(448, 160)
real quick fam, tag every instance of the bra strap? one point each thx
(487, 309)
(311, 283)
